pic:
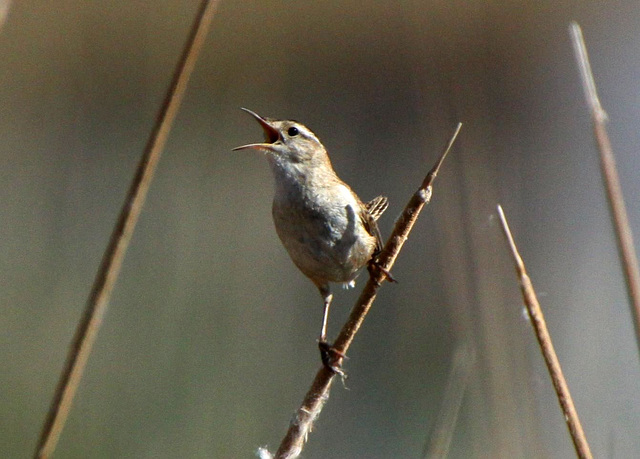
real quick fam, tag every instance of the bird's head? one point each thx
(287, 141)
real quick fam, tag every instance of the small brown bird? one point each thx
(329, 233)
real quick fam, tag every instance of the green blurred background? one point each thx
(209, 343)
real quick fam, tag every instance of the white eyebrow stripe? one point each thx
(306, 132)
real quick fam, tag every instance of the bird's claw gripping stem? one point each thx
(331, 358)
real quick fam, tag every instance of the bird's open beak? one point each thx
(271, 134)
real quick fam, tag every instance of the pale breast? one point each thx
(323, 232)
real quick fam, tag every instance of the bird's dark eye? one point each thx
(293, 131)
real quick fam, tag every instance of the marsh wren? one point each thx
(328, 232)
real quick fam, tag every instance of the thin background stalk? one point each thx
(107, 275)
(4, 11)
(546, 346)
(293, 442)
(440, 437)
(612, 180)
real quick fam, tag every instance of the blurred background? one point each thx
(209, 342)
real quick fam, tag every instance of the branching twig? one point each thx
(112, 260)
(612, 181)
(313, 402)
(546, 346)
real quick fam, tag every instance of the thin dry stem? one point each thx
(624, 235)
(441, 435)
(4, 11)
(546, 346)
(301, 425)
(107, 275)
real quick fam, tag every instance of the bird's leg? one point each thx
(331, 358)
(327, 297)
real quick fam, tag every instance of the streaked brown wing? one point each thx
(371, 211)
(377, 206)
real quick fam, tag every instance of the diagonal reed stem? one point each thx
(612, 181)
(312, 405)
(107, 275)
(546, 346)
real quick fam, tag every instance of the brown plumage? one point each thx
(328, 232)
